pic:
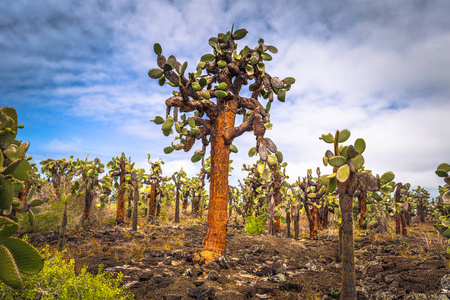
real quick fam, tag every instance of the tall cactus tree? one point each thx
(227, 71)
(179, 179)
(59, 170)
(312, 195)
(16, 256)
(421, 197)
(347, 162)
(153, 180)
(120, 168)
(401, 206)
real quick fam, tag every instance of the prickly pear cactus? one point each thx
(17, 256)
(443, 204)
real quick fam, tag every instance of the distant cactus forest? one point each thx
(80, 228)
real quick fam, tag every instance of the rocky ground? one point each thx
(155, 263)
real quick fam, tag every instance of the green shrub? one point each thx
(255, 225)
(58, 280)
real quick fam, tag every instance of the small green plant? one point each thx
(58, 280)
(255, 225)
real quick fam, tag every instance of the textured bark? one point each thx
(135, 205)
(24, 193)
(277, 199)
(177, 203)
(120, 195)
(216, 227)
(288, 224)
(130, 198)
(152, 201)
(348, 286)
(88, 197)
(271, 228)
(362, 210)
(296, 217)
(403, 219)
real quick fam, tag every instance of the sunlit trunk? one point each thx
(120, 195)
(152, 201)
(348, 287)
(216, 227)
(135, 205)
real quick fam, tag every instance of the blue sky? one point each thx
(77, 73)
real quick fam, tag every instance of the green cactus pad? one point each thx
(447, 233)
(360, 145)
(441, 173)
(207, 58)
(343, 151)
(249, 69)
(289, 80)
(272, 49)
(377, 197)
(332, 184)
(328, 138)
(239, 34)
(266, 56)
(252, 151)
(6, 193)
(36, 202)
(26, 257)
(22, 170)
(7, 228)
(157, 48)
(168, 123)
(155, 73)
(337, 161)
(222, 86)
(233, 149)
(352, 152)
(196, 157)
(261, 67)
(358, 162)
(261, 166)
(196, 86)
(444, 167)
(168, 150)
(344, 135)
(386, 190)
(279, 156)
(9, 273)
(272, 160)
(325, 161)
(387, 177)
(220, 94)
(158, 120)
(343, 173)
(281, 96)
(206, 95)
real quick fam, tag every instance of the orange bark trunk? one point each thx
(216, 227)
(120, 196)
(152, 201)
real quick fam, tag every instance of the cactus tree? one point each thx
(16, 256)
(215, 99)
(347, 162)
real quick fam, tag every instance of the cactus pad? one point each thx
(9, 273)
(6, 193)
(27, 258)
(7, 228)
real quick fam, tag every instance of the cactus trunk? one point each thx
(362, 210)
(177, 203)
(152, 201)
(135, 205)
(288, 224)
(216, 227)
(120, 199)
(277, 198)
(271, 215)
(348, 286)
(62, 229)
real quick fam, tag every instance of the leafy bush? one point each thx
(58, 280)
(255, 225)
